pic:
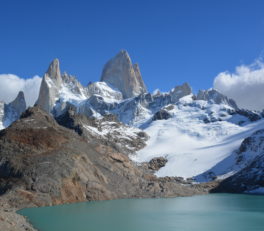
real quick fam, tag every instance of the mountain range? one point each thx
(113, 139)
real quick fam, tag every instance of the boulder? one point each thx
(161, 115)
(157, 163)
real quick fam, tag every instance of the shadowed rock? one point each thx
(12, 111)
(161, 115)
(19, 104)
(180, 91)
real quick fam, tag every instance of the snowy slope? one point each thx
(90, 100)
(250, 157)
(193, 146)
(109, 93)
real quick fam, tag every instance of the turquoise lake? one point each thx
(199, 213)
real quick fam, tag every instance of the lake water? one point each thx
(213, 212)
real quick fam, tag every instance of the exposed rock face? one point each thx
(180, 91)
(43, 163)
(161, 115)
(139, 77)
(73, 85)
(252, 116)
(110, 132)
(54, 71)
(251, 155)
(12, 111)
(157, 163)
(214, 96)
(121, 74)
(50, 86)
(19, 104)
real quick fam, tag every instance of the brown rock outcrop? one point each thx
(43, 163)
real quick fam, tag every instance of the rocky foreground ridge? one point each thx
(43, 163)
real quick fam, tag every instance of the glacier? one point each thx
(193, 148)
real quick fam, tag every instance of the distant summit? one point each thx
(50, 86)
(120, 73)
(12, 111)
(120, 92)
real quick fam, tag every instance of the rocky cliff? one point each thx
(120, 73)
(50, 86)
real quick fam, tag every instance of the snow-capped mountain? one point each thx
(200, 135)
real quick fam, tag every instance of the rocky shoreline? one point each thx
(43, 163)
(10, 220)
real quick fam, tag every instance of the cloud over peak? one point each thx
(11, 84)
(245, 85)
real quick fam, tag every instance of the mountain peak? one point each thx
(12, 111)
(19, 103)
(123, 75)
(216, 97)
(50, 85)
(123, 54)
(54, 70)
(20, 96)
(180, 91)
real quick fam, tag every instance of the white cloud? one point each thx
(245, 86)
(10, 85)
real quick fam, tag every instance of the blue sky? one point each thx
(174, 41)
